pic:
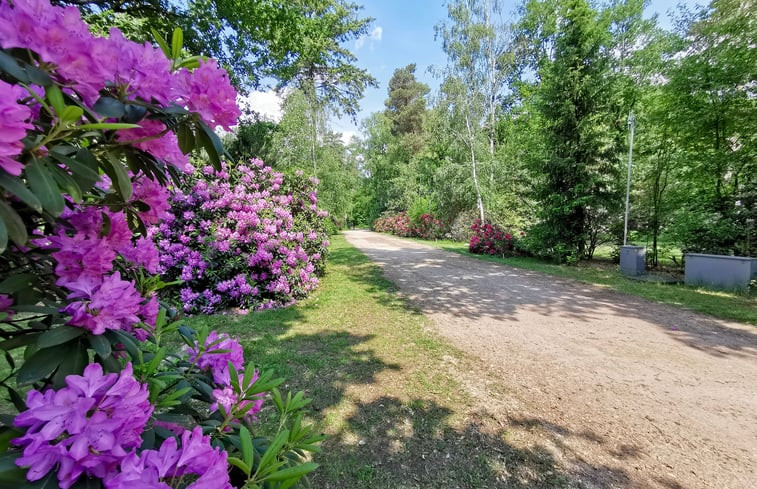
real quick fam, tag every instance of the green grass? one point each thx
(736, 306)
(389, 393)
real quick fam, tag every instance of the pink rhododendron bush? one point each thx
(490, 239)
(93, 131)
(426, 227)
(398, 224)
(243, 236)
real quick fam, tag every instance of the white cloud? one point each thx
(267, 104)
(347, 136)
(375, 35)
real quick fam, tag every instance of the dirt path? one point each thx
(625, 392)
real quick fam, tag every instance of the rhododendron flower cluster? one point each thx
(13, 126)
(87, 427)
(139, 71)
(426, 227)
(154, 469)
(490, 239)
(244, 236)
(215, 355)
(87, 261)
(398, 224)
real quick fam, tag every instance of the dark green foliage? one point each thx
(576, 181)
(252, 140)
(406, 105)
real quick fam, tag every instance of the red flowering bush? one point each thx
(426, 227)
(93, 130)
(244, 236)
(490, 239)
(397, 224)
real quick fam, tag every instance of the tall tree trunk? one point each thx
(474, 166)
(492, 75)
(313, 100)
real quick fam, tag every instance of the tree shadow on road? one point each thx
(394, 443)
(471, 289)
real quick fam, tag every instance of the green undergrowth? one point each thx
(386, 390)
(736, 306)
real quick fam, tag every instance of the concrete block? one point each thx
(719, 271)
(633, 260)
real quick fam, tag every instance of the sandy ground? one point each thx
(633, 394)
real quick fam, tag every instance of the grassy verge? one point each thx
(737, 306)
(389, 393)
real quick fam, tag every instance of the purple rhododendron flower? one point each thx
(159, 142)
(255, 227)
(87, 427)
(158, 469)
(111, 304)
(208, 91)
(13, 126)
(218, 363)
(228, 399)
(60, 37)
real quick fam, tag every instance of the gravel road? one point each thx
(634, 394)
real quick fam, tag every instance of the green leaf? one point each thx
(132, 348)
(109, 107)
(277, 401)
(107, 126)
(37, 309)
(23, 339)
(239, 464)
(135, 113)
(44, 187)
(293, 472)
(16, 399)
(73, 364)
(117, 173)
(207, 144)
(246, 441)
(55, 96)
(66, 183)
(100, 344)
(10, 66)
(191, 63)
(161, 43)
(273, 449)
(59, 335)
(42, 363)
(13, 224)
(81, 167)
(71, 113)
(37, 76)
(177, 40)
(173, 399)
(110, 364)
(3, 236)
(6, 436)
(186, 138)
(11, 475)
(16, 186)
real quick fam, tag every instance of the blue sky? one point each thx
(403, 33)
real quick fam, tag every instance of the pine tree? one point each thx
(576, 181)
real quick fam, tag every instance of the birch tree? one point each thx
(478, 45)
